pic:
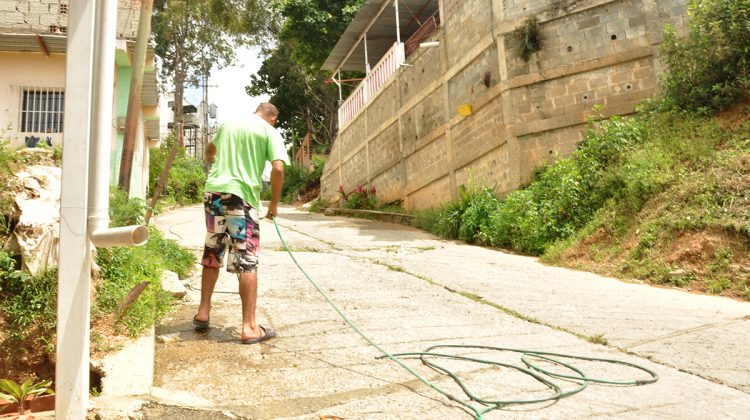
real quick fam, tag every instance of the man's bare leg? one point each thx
(249, 296)
(208, 281)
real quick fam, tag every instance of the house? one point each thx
(32, 81)
(459, 91)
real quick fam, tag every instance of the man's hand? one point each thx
(273, 210)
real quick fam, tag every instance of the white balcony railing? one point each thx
(379, 76)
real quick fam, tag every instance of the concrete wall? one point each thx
(51, 17)
(411, 143)
(19, 70)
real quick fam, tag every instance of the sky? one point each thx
(229, 93)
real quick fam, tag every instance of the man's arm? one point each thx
(210, 153)
(277, 180)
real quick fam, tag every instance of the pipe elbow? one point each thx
(119, 236)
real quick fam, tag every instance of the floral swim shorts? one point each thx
(230, 220)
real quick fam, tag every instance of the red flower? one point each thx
(372, 190)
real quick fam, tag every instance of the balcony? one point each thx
(373, 83)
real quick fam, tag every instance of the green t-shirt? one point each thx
(242, 149)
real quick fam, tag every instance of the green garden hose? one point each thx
(542, 375)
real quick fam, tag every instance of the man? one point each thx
(239, 153)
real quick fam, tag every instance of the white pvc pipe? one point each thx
(104, 79)
(398, 24)
(367, 60)
(119, 236)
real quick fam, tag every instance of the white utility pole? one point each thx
(74, 272)
(84, 200)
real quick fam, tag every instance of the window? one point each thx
(42, 110)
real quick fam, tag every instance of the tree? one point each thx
(290, 73)
(194, 36)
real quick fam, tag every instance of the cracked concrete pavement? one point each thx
(408, 290)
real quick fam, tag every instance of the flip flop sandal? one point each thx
(201, 325)
(268, 333)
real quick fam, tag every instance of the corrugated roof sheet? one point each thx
(380, 16)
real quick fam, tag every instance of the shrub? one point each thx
(463, 218)
(27, 301)
(361, 198)
(186, 177)
(711, 68)
(122, 268)
(125, 210)
(295, 178)
(300, 181)
(475, 218)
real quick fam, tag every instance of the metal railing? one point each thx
(39, 109)
(378, 77)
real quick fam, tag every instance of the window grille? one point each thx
(42, 110)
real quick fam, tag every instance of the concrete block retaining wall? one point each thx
(411, 143)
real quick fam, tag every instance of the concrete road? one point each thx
(407, 291)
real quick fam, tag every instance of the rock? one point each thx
(168, 338)
(330, 212)
(678, 274)
(170, 282)
(36, 235)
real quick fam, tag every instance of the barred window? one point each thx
(42, 110)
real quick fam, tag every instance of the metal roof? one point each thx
(377, 18)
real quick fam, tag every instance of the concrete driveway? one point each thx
(407, 291)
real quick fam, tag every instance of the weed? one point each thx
(27, 301)
(721, 262)
(530, 38)
(718, 284)
(319, 204)
(598, 339)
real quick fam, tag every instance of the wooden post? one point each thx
(134, 100)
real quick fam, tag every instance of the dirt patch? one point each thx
(29, 358)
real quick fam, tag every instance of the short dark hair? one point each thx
(267, 109)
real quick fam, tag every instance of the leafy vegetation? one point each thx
(361, 198)
(301, 182)
(17, 393)
(6, 174)
(123, 268)
(710, 69)
(27, 303)
(186, 175)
